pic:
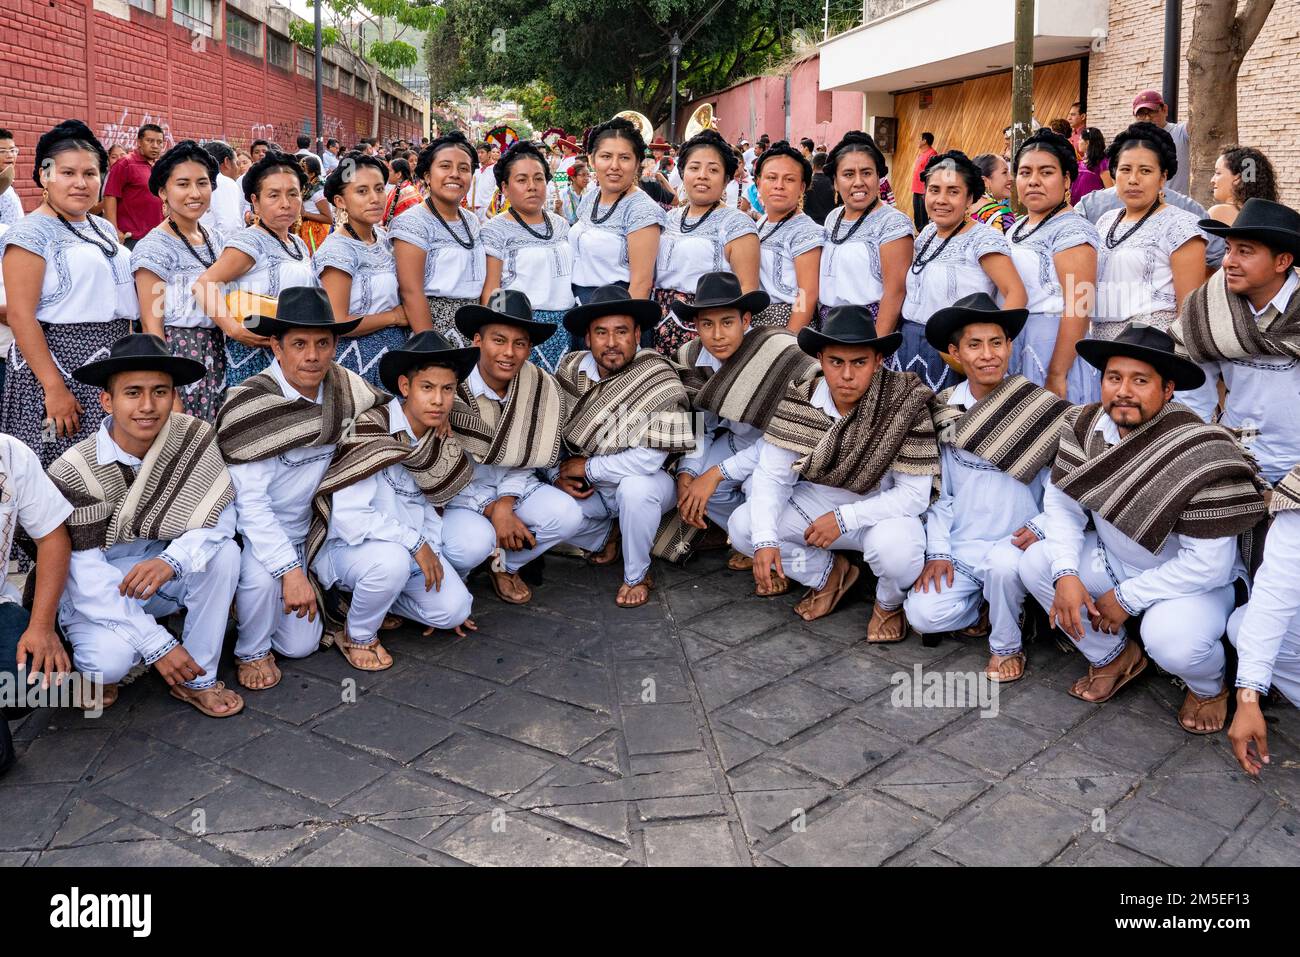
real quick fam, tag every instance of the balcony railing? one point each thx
(843, 15)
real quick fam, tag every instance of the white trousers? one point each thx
(263, 623)
(550, 514)
(97, 645)
(639, 503)
(1286, 667)
(729, 495)
(383, 577)
(958, 605)
(1180, 634)
(894, 548)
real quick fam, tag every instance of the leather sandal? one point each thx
(609, 554)
(1120, 679)
(649, 584)
(993, 674)
(738, 562)
(818, 604)
(886, 626)
(526, 593)
(108, 697)
(981, 628)
(264, 668)
(1192, 707)
(380, 659)
(201, 699)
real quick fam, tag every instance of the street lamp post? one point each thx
(675, 51)
(320, 101)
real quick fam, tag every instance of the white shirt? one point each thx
(491, 482)
(951, 274)
(741, 439)
(27, 498)
(328, 161)
(609, 470)
(1137, 277)
(370, 267)
(780, 244)
(481, 189)
(1184, 565)
(1274, 602)
(225, 215)
(541, 269)
(450, 270)
(600, 248)
(11, 207)
(850, 268)
(273, 496)
(1035, 256)
(685, 256)
(897, 496)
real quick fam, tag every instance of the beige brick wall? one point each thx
(1268, 92)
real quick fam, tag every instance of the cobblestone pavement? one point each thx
(709, 727)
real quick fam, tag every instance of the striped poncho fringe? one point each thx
(1217, 324)
(1016, 426)
(527, 432)
(643, 405)
(182, 485)
(890, 429)
(750, 384)
(1173, 473)
(259, 422)
(1286, 493)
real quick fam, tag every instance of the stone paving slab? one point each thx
(709, 727)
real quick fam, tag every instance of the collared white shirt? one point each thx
(491, 482)
(741, 438)
(27, 498)
(1274, 603)
(225, 214)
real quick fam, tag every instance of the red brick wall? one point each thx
(147, 70)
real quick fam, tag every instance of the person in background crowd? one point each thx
(1077, 118)
(571, 195)
(329, 159)
(116, 152)
(1240, 173)
(1150, 107)
(255, 154)
(819, 198)
(1092, 165)
(128, 204)
(1061, 127)
(11, 207)
(790, 241)
(223, 216)
(806, 146)
(484, 184)
(304, 146)
(993, 209)
(923, 157)
(402, 192)
(655, 185)
(243, 160)
(317, 218)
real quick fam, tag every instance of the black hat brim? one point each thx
(645, 312)
(1185, 373)
(750, 302)
(398, 362)
(183, 371)
(940, 326)
(1284, 239)
(470, 319)
(813, 342)
(274, 326)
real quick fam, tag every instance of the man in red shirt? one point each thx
(128, 204)
(1078, 123)
(918, 188)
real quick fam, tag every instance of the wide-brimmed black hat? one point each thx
(419, 350)
(720, 290)
(612, 300)
(139, 352)
(848, 326)
(977, 307)
(1147, 344)
(300, 307)
(509, 306)
(1271, 223)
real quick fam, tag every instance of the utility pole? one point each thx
(1022, 81)
(674, 51)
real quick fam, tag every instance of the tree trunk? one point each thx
(1221, 37)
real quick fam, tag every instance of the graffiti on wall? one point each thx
(123, 132)
(286, 133)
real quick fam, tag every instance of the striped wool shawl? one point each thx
(749, 385)
(1173, 473)
(1286, 493)
(1015, 427)
(521, 432)
(182, 485)
(890, 429)
(1217, 324)
(259, 422)
(642, 405)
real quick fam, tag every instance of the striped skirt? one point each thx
(361, 354)
(201, 399)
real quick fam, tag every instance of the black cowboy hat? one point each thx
(139, 352)
(612, 300)
(509, 306)
(419, 350)
(300, 307)
(848, 326)
(1147, 344)
(1271, 223)
(978, 307)
(720, 290)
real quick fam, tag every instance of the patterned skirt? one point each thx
(243, 362)
(22, 410)
(361, 354)
(819, 318)
(548, 354)
(776, 314)
(670, 335)
(917, 355)
(442, 309)
(201, 399)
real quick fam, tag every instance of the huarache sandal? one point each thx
(738, 562)
(887, 626)
(259, 674)
(818, 604)
(1192, 707)
(609, 554)
(644, 586)
(994, 671)
(364, 657)
(204, 698)
(1127, 673)
(510, 587)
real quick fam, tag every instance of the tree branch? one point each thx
(1251, 20)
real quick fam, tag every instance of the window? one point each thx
(306, 62)
(194, 15)
(242, 33)
(345, 81)
(331, 78)
(145, 5)
(279, 51)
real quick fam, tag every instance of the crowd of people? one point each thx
(328, 388)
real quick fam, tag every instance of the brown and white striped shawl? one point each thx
(1015, 427)
(521, 432)
(1286, 493)
(1217, 324)
(182, 485)
(258, 421)
(1174, 473)
(890, 429)
(750, 384)
(642, 405)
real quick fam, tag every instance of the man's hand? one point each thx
(1070, 597)
(573, 477)
(177, 666)
(431, 566)
(765, 559)
(1110, 615)
(691, 506)
(512, 534)
(299, 596)
(47, 654)
(1248, 726)
(823, 532)
(936, 570)
(144, 580)
(1023, 538)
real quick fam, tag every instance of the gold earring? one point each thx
(45, 195)
(257, 220)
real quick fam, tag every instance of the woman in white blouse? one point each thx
(528, 248)
(703, 235)
(1152, 254)
(789, 240)
(356, 269)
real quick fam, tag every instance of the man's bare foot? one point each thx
(108, 696)
(468, 623)
(391, 623)
(886, 625)
(1101, 684)
(632, 596)
(510, 587)
(1204, 715)
(822, 602)
(260, 674)
(1005, 668)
